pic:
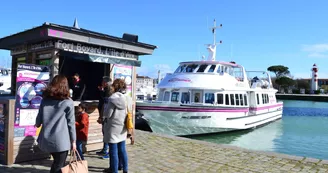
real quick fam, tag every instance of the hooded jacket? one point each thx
(114, 115)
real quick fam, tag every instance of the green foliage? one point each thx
(301, 83)
(279, 70)
(285, 81)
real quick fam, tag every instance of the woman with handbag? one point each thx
(115, 130)
(56, 115)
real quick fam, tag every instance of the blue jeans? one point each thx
(105, 148)
(79, 148)
(118, 153)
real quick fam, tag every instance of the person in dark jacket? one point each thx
(78, 87)
(104, 95)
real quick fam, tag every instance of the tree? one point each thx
(279, 70)
(285, 81)
(302, 83)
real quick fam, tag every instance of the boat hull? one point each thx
(183, 121)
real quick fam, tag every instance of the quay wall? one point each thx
(306, 97)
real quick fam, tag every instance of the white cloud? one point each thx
(317, 55)
(316, 50)
(153, 71)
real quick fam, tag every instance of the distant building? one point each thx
(146, 88)
(144, 82)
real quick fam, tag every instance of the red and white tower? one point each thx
(314, 82)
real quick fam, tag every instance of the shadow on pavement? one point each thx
(21, 169)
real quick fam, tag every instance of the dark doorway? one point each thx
(90, 72)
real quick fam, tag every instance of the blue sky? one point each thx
(261, 33)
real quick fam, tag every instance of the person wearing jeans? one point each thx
(115, 131)
(118, 154)
(104, 94)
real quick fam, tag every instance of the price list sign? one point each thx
(31, 80)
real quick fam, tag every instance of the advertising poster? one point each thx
(31, 80)
(2, 134)
(124, 72)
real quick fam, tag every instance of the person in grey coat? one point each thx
(115, 131)
(56, 115)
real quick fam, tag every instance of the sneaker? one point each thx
(106, 156)
(101, 153)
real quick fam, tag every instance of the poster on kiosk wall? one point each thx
(124, 72)
(30, 82)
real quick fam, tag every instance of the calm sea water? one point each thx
(302, 131)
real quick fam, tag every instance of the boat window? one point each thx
(202, 68)
(190, 68)
(211, 69)
(227, 99)
(220, 98)
(258, 99)
(197, 97)
(241, 99)
(232, 99)
(237, 99)
(180, 69)
(185, 97)
(237, 72)
(245, 99)
(175, 97)
(209, 98)
(267, 98)
(220, 69)
(166, 96)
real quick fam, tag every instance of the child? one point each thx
(82, 128)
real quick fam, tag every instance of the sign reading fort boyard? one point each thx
(88, 49)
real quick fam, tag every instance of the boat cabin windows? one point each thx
(227, 99)
(245, 99)
(211, 69)
(175, 97)
(209, 98)
(219, 98)
(197, 96)
(180, 69)
(166, 96)
(202, 68)
(265, 98)
(257, 99)
(232, 99)
(190, 68)
(185, 97)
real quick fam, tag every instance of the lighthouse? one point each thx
(314, 81)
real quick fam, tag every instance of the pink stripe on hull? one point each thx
(266, 107)
(178, 109)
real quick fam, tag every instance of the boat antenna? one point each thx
(212, 47)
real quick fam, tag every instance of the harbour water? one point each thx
(302, 131)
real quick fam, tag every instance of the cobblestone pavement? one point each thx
(158, 153)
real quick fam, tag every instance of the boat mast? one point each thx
(212, 47)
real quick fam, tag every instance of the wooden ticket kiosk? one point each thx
(66, 50)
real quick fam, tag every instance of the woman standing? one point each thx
(115, 132)
(56, 115)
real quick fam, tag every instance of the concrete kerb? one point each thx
(267, 153)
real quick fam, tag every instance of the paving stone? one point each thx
(166, 154)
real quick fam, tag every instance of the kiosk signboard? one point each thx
(124, 72)
(31, 80)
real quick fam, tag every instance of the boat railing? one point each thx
(260, 78)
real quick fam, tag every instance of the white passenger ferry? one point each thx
(211, 96)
